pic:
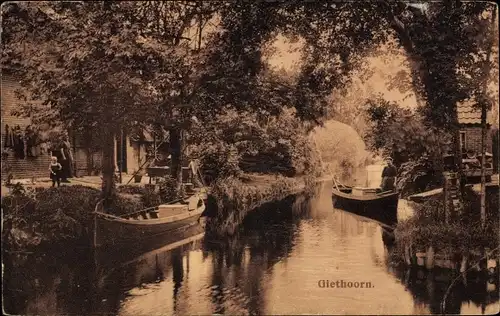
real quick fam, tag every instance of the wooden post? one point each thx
(452, 201)
(108, 168)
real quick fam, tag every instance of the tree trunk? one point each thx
(121, 154)
(418, 75)
(108, 170)
(457, 149)
(495, 142)
(90, 162)
(483, 163)
(200, 28)
(484, 108)
(176, 150)
(414, 59)
(88, 144)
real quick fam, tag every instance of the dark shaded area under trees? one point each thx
(128, 64)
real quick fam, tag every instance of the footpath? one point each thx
(89, 181)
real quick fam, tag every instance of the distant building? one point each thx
(25, 162)
(469, 118)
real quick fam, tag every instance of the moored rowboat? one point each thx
(110, 230)
(368, 202)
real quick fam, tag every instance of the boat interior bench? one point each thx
(165, 210)
(359, 191)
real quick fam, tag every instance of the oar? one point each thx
(342, 185)
(335, 182)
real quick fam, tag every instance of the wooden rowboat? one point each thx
(368, 202)
(110, 230)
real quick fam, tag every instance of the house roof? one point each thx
(469, 113)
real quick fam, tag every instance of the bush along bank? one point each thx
(425, 239)
(60, 217)
(232, 198)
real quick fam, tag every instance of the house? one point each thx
(13, 157)
(469, 118)
(130, 151)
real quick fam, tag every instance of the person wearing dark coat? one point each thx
(18, 143)
(389, 177)
(9, 137)
(62, 150)
(67, 157)
(32, 145)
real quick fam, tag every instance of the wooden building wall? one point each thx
(473, 139)
(20, 168)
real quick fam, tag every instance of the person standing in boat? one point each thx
(389, 176)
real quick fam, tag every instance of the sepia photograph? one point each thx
(263, 157)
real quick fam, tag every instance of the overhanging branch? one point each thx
(399, 28)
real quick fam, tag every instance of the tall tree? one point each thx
(416, 149)
(89, 66)
(484, 100)
(338, 36)
(438, 38)
(226, 71)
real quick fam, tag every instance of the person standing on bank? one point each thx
(389, 177)
(55, 171)
(61, 149)
(67, 157)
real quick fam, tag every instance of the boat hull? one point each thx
(112, 231)
(109, 256)
(381, 208)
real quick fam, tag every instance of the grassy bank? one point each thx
(236, 196)
(462, 236)
(60, 217)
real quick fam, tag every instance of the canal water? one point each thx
(299, 256)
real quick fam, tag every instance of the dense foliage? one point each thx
(342, 151)
(47, 216)
(460, 235)
(126, 64)
(415, 148)
(236, 196)
(60, 216)
(89, 65)
(243, 142)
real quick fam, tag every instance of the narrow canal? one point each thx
(275, 265)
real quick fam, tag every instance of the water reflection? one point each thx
(271, 266)
(36, 284)
(475, 293)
